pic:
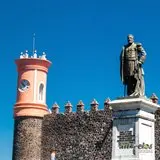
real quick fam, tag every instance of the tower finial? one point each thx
(34, 42)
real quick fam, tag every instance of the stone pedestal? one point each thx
(133, 129)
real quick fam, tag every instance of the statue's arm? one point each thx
(142, 54)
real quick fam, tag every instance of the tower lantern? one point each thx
(31, 87)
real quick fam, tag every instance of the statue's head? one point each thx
(130, 38)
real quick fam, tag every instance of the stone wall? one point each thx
(72, 136)
(77, 136)
(157, 135)
(27, 138)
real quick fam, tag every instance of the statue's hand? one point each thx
(139, 62)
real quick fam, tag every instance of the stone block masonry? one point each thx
(157, 135)
(77, 136)
(27, 138)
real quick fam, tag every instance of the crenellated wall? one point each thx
(157, 135)
(83, 135)
(80, 135)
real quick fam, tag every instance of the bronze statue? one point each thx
(131, 60)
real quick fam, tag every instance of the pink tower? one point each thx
(30, 106)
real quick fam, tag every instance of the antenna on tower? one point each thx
(34, 41)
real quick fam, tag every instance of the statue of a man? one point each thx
(131, 60)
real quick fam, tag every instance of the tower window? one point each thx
(41, 92)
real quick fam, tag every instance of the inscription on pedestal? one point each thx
(126, 140)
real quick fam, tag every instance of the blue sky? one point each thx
(83, 39)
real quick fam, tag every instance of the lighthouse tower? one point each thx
(30, 106)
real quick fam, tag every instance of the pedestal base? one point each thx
(133, 129)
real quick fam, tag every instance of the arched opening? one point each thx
(53, 155)
(41, 92)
